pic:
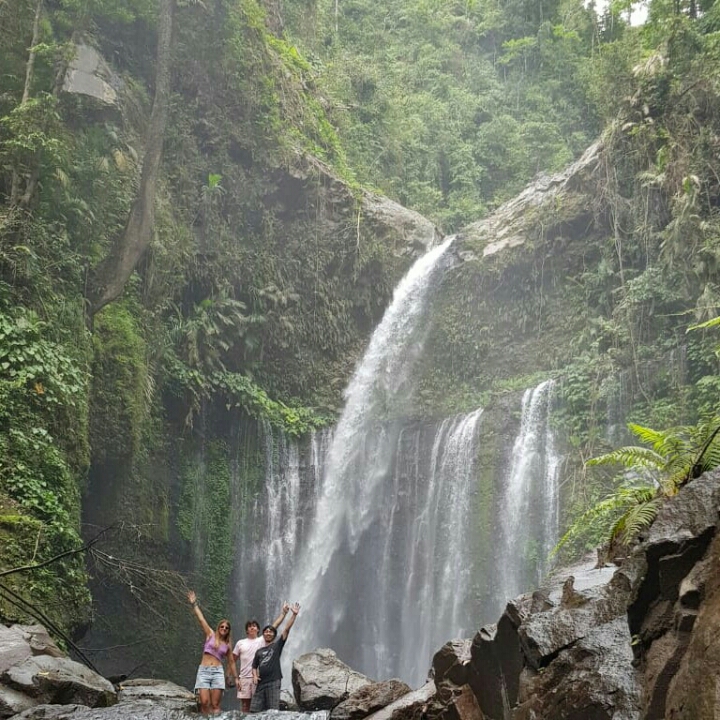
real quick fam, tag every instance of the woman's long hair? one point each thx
(228, 639)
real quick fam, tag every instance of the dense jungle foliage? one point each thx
(196, 195)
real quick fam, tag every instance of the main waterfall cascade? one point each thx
(382, 528)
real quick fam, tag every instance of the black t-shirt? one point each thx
(267, 661)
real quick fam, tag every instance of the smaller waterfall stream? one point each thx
(529, 510)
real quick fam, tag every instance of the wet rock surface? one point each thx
(412, 706)
(625, 643)
(54, 680)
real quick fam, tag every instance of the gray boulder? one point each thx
(14, 648)
(13, 702)
(593, 679)
(37, 637)
(369, 699)
(52, 680)
(321, 680)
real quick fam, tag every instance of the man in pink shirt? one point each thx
(244, 654)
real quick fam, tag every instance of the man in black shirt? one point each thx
(266, 666)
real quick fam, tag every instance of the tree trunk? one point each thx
(108, 278)
(29, 73)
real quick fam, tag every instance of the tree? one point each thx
(111, 274)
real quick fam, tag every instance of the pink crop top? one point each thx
(217, 652)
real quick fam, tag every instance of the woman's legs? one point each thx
(205, 700)
(245, 705)
(215, 698)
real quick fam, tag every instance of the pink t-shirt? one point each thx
(244, 651)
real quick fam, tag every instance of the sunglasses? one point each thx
(223, 627)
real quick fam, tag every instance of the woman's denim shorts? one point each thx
(210, 677)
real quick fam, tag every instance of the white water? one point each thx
(383, 529)
(529, 511)
(360, 457)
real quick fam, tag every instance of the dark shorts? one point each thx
(266, 697)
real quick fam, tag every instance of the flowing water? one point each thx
(382, 528)
(529, 510)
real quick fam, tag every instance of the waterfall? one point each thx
(528, 515)
(388, 531)
(274, 523)
(438, 566)
(338, 586)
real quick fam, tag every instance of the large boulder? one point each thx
(14, 648)
(369, 699)
(549, 646)
(451, 662)
(677, 577)
(13, 702)
(593, 679)
(321, 680)
(693, 695)
(52, 680)
(453, 702)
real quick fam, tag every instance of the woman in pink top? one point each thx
(210, 680)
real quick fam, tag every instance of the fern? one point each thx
(675, 457)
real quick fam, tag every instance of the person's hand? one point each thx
(286, 607)
(295, 608)
(192, 597)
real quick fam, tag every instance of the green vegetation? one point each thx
(651, 472)
(256, 279)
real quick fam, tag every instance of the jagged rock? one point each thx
(370, 699)
(592, 680)
(693, 694)
(38, 639)
(321, 680)
(163, 691)
(14, 649)
(516, 220)
(671, 577)
(54, 680)
(451, 662)
(454, 703)
(13, 701)
(542, 635)
(409, 707)
(417, 233)
(378, 217)
(497, 662)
